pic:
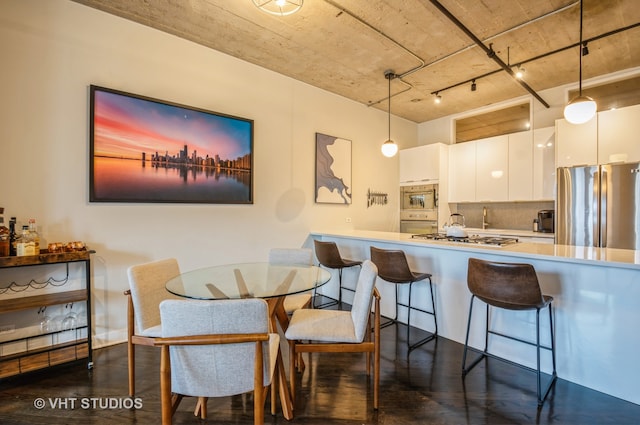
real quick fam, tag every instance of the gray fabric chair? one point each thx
(293, 257)
(215, 349)
(146, 291)
(340, 331)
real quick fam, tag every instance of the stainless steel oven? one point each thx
(422, 197)
(419, 209)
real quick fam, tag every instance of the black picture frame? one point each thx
(146, 150)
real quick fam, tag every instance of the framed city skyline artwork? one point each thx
(333, 170)
(148, 150)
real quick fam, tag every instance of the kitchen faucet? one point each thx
(485, 224)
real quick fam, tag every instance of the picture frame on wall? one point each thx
(149, 150)
(333, 170)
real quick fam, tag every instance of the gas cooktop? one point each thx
(473, 239)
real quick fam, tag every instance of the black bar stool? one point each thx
(510, 286)
(393, 267)
(329, 256)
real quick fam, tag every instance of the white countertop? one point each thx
(623, 258)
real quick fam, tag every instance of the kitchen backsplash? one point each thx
(503, 215)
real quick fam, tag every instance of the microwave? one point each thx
(422, 197)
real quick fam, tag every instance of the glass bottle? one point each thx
(34, 234)
(26, 244)
(13, 237)
(4, 236)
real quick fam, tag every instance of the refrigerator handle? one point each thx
(602, 206)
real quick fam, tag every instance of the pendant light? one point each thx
(389, 148)
(581, 108)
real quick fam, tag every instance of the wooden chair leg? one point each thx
(201, 408)
(165, 386)
(131, 359)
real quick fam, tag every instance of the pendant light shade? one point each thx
(389, 148)
(279, 7)
(581, 108)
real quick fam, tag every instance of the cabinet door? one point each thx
(576, 144)
(521, 166)
(619, 135)
(462, 172)
(544, 159)
(420, 164)
(492, 169)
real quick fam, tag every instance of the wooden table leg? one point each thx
(277, 314)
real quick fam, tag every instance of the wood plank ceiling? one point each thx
(345, 47)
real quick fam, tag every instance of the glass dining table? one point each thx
(254, 280)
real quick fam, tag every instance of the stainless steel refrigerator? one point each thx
(599, 206)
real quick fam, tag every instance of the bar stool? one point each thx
(393, 267)
(329, 256)
(510, 286)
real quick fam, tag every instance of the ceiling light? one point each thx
(438, 99)
(473, 85)
(585, 49)
(389, 148)
(581, 108)
(520, 73)
(279, 7)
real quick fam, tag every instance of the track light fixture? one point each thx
(438, 99)
(473, 85)
(585, 49)
(581, 108)
(519, 72)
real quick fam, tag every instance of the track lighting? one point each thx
(473, 85)
(438, 99)
(585, 49)
(519, 73)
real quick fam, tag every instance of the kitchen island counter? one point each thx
(596, 303)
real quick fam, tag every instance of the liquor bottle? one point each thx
(4, 236)
(25, 245)
(34, 234)
(12, 236)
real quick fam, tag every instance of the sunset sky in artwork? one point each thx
(126, 126)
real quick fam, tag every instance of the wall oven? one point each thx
(419, 209)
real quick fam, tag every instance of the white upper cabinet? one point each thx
(521, 166)
(492, 169)
(619, 135)
(576, 144)
(544, 169)
(462, 172)
(420, 164)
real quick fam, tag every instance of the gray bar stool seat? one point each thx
(394, 268)
(329, 256)
(511, 286)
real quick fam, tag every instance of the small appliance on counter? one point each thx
(545, 221)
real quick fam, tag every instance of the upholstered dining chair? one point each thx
(215, 348)
(293, 257)
(146, 291)
(340, 331)
(510, 286)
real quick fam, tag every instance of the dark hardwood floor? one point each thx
(423, 388)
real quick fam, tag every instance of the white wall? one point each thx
(53, 50)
